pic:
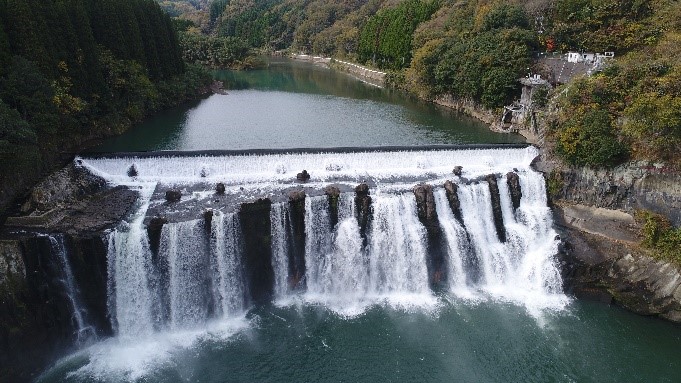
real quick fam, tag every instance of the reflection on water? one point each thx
(298, 104)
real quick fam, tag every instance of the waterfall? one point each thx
(318, 240)
(195, 276)
(84, 331)
(459, 253)
(341, 271)
(198, 273)
(226, 264)
(397, 247)
(280, 247)
(183, 246)
(129, 267)
(519, 268)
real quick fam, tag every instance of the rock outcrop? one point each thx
(296, 270)
(514, 188)
(601, 255)
(427, 214)
(333, 193)
(453, 199)
(628, 187)
(363, 209)
(257, 235)
(602, 260)
(35, 314)
(36, 321)
(496, 207)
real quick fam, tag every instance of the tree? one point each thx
(654, 122)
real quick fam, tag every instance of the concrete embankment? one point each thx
(366, 74)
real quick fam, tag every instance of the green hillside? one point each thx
(73, 71)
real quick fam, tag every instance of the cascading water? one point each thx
(195, 276)
(280, 244)
(228, 284)
(460, 256)
(353, 240)
(318, 240)
(197, 273)
(183, 245)
(397, 247)
(340, 270)
(131, 299)
(84, 331)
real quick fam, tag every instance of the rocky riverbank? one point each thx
(602, 254)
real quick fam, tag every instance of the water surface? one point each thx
(292, 104)
(461, 342)
(454, 339)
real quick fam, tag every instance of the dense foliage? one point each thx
(77, 70)
(660, 236)
(640, 94)
(217, 52)
(386, 38)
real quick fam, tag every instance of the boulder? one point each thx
(220, 188)
(303, 176)
(173, 195)
(296, 196)
(132, 171)
(425, 204)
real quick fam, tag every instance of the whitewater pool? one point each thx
(452, 341)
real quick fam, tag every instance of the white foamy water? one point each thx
(194, 286)
(272, 169)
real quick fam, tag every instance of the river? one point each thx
(473, 332)
(293, 104)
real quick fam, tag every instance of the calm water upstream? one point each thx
(402, 334)
(294, 104)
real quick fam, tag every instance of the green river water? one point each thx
(448, 339)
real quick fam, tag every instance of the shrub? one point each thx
(660, 236)
(590, 140)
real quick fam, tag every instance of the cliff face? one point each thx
(602, 256)
(628, 187)
(65, 222)
(602, 260)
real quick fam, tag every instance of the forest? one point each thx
(75, 71)
(479, 49)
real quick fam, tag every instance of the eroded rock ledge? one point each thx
(602, 260)
(35, 322)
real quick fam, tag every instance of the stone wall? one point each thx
(367, 74)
